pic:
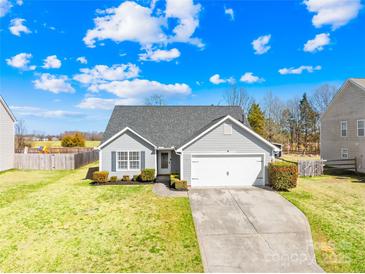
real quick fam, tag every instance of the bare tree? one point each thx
(273, 109)
(322, 97)
(155, 100)
(238, 97)
(20, 132)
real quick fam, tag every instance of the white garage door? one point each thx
(226, 170)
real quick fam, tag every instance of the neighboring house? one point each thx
(7, 135)
(343, 125)
(206, 145)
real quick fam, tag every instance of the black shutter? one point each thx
(114, 161)
(143, 160)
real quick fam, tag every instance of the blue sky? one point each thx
(64, 64)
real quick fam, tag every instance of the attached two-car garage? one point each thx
(227, 170)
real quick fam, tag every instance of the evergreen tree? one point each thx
(307, 122)
(256, 119)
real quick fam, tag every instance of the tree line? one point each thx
(293, 123)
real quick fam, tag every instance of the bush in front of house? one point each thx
(283, 175)
(125, 178)
(173, 178)
(113, 179)
(147, 175)
(181, 185)
(135, 178)
(101, 176)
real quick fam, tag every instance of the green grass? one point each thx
(53, 221)
(335, 207)
(58, 144)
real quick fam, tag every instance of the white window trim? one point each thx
(227, 129)
(341, 128)
(342, 153)
(357, 127)
(128, 161)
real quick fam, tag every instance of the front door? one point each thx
(164, 162)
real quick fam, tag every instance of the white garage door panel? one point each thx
(232, 170)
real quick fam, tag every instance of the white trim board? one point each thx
(7, 109)
(115, 136)
(238, 123)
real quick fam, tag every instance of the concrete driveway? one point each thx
(251, 230)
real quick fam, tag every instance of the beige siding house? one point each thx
(7, 132)
(343, 125)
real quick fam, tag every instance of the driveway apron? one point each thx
(251, 230)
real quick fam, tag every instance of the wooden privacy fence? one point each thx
(58, 150)
(310, 167)
(55, 161)
(342, 164)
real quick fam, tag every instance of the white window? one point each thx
(227, 128)
(343, 128)
(360, 128)
(344, 153)
(128, 160)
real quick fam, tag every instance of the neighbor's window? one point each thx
(361, 128)
(128, 160)
(343, 128)
(227, 129)
(344, 153)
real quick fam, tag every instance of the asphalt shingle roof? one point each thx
(167, 126)
(359, 81)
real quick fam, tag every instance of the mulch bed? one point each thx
(124, 183)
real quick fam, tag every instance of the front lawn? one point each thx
(53, 221)
(335, 207)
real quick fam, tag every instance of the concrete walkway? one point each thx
(251, 230)
(162, 190)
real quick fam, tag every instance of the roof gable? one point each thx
(167, 126)
(7, 109)
(357, 82)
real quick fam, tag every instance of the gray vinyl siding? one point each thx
(6, 140)
(127, 142)
(240, 141)
(349, 105)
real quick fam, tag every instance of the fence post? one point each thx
(356, 166)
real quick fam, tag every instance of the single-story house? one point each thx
(209, 146)
(343, 124)
(7, 136)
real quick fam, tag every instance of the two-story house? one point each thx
(343, 124)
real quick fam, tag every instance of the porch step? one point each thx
(165, 179)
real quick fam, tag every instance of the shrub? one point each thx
(147, 175)
(136, 178)
(101, 176)
(181, 185)
(173, 179)
(125, 178)
(283, 175)
(73, 140)
(113, 179)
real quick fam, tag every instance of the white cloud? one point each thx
(133, 22)
(160, 55)
(216, 80)
(17, 26)
(53, 83)
(140, 88)
(5, 6)
(261, 44)
(335, 13)
(128, 22)
(100, 103)
(52, 62)
(299, 70)
(44, 113)
(187, 13)
(318, 43)
(250, 78)
(19, 2)
(82, 60)
(21, 61)
(229, 12)
(102, 73)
